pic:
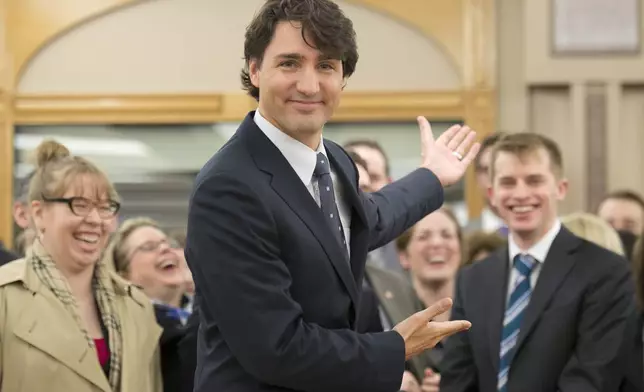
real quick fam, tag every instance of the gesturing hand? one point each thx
(420, 333)
(448, 156)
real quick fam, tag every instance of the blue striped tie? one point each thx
(517, 304)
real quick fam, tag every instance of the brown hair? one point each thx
(372, 144)
(625, 194)
(116, 254)
(402, 242)
(357, 159)
(521, 144)
(56, 169)
(488, 142)
(324, 27)
(481, 241)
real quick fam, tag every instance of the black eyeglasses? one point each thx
(153, 246)
(81, 206)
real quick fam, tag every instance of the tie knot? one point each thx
(524, 264)
(321, 165)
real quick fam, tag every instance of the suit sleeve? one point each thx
(458, 370)
(243, 292)
(401, 204)
(608, 305)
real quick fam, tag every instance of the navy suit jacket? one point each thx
(276, 294)
(571, 332)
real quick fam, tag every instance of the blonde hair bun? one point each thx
(50, 151)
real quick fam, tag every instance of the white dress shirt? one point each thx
(539, 251)
(490, 222)
(303, 159)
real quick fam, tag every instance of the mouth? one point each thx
(87, 238)
(523, 209)
(168, 265)
(306, 104)
(437, 261)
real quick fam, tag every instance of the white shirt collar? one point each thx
(539, 250)
(298, 155)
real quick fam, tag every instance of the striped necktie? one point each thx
(322, 173)
(519, 299)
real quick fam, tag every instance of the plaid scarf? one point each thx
(46, 270)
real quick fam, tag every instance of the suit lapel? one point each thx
(359, 236)
(69, 347)
(555, 268)
(494, 292)
(290, 188)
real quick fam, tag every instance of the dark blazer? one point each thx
(633, 357)
(277, 296)
(571, 333)
(175, 369)
(398, 300)
(368, 318)
(6, 255)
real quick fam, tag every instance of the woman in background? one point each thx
(594, 229)
(142, 253)
(432, 252)
(69, 324)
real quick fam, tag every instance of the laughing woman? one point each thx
(67, 323)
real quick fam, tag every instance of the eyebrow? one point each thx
(297, 56)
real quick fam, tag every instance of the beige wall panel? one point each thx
(512, 90)
(196, 46)
(557, 112)
(543, 67)
(626, 142)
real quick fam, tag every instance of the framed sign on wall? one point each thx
(596, 26)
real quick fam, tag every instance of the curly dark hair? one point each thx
(324, 27)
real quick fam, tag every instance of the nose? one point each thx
(93, 217)
(435, 241)
(308, 83)
(521, 190)
(164, 247)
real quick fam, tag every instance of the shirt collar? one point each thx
(539, 250)
(298, 155)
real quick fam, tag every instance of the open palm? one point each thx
(448, 156)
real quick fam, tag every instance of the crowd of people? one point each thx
(305, 267)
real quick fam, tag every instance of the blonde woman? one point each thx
(142, 253)
(594, 229)
(68, 324)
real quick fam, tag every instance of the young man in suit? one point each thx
(277, 238)
(550, 309)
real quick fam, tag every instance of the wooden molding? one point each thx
(464, 29)
(480, 115)
(211, 108)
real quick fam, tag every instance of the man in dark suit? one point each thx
(550, 310)
(277, 238)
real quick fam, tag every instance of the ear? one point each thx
(404, 261)
(21, 214)
(253, 72)
(562, 188)
(490, 196)
(37, 212)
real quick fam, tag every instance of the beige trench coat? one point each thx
(44, 351)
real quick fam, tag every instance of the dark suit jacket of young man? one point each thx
(277, 296)
(571, 333)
